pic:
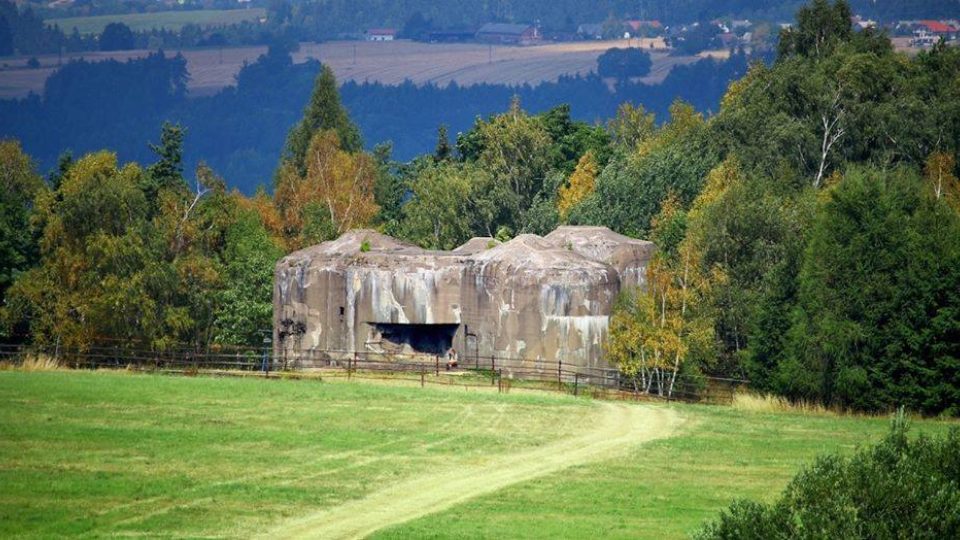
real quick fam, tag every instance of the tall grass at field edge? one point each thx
(33, 362)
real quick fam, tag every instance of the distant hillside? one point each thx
(350, 15)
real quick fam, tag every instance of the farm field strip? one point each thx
(170, 20)
(387, 63)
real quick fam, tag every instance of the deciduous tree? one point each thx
(665, 327)
(19, 185)
(439, 213)
(581, 185)
(337, 186)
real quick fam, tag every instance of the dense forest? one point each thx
(240, 130)
(808, 230)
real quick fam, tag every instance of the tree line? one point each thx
(240, 130)
(808, 232)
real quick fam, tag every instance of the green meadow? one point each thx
(113, 453)
(170, 20)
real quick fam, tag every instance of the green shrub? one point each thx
(900, 488)
(364, 246)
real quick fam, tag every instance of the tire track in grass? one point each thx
(618, 428)
(461, 418)
(173, 502)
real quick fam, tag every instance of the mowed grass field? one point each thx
(170, 20)
(385, 62)
(117, 454)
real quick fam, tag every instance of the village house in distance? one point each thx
(539, 299)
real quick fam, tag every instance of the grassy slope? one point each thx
(111, 453)
(171, 20)
(114, 453)
(668, 488)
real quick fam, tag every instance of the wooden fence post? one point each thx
(500, 381)
(493, 370)
(559, 375)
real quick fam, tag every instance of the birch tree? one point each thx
(337, 182)
(581, 185)
(666, 328)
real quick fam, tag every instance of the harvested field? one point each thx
(384, 62)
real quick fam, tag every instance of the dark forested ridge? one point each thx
(239, 132)
(808, 227)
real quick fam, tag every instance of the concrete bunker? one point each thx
(533, 299)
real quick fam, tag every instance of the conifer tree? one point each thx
(323, 112)
(443, 151)
(167, 172)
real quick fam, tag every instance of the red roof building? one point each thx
(636, 25)
(937, 27)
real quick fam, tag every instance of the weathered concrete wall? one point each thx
(542, 299)
(627, 255)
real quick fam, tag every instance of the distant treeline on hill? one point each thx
(25, 31)
(240, 131)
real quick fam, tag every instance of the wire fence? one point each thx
(503, 373)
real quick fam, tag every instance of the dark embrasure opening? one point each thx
(416, 338)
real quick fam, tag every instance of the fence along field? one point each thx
(494, 372)
(384, 62)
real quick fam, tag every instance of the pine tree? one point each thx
(324, 112)
(443, 150)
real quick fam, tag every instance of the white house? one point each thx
(381, 34)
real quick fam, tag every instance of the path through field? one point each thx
(618, 428)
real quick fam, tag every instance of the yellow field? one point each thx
(385, 62)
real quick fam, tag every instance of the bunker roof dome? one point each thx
(529, 253)
(601, 244)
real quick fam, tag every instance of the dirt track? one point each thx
(617, 428)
